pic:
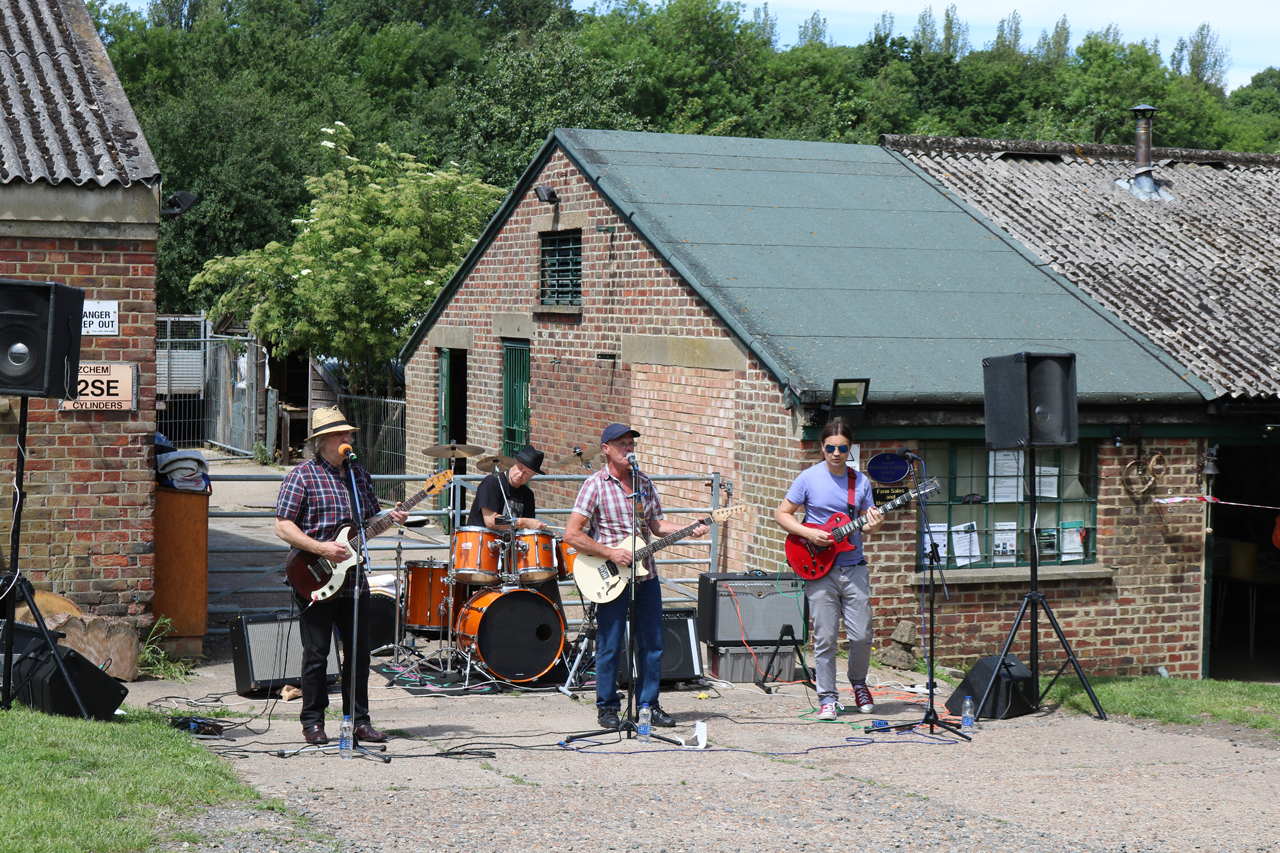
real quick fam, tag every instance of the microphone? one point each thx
(907, 454)
(631, 460)
(348, 452)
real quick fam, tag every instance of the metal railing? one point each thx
(383, 555)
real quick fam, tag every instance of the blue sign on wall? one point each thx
(887, 468)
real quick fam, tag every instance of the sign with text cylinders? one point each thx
(105, 386)
(100, 318)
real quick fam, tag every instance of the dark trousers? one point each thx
(316, 623)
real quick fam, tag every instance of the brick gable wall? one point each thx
(87, 522)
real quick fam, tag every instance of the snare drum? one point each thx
(517, 634)
(535, 556)
(475, 555)
(427, 591)
(566, 555)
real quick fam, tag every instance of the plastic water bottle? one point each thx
(646, 722)
(966, 716)
(344, 738)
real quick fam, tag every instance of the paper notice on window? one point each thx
(1047, 541)
(1005, 471)
(935, 533)
(1072, 540)
(1004, 543)
(1046, 482)
(964, 539)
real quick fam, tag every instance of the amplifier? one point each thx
(43, 688)
(266, 649)
(750, 609)
(681, 652)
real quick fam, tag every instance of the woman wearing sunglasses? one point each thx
(829, 487)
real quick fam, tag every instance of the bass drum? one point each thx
(517, 634)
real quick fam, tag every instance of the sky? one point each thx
(1250, 29)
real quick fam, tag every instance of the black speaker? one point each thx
(41, 686)
(39, 338)
(1012, 695)
(681, 651)
(1030, 400)
(750, 609)
(266, 649)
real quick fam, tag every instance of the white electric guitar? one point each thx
(602, 580)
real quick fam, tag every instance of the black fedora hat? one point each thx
(531, 458)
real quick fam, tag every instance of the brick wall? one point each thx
(87, 522)
(696, 420)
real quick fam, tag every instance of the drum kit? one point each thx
(481, 604)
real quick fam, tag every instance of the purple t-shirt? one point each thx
(822, 495)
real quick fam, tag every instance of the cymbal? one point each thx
(454, 451)
(581, 453)
(489, 463)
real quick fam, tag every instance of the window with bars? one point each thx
(981, 518)
(560, 268)
(515, 396)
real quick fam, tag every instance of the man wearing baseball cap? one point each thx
(601, 519)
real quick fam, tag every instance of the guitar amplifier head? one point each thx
(750, 609)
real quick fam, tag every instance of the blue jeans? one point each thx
(611, 645)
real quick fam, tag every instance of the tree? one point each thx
(1202, 58)
(376, 244)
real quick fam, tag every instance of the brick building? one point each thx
(708, 290)
(79, 204)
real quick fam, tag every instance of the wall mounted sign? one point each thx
(110, 386)
(887, 468)
(101, 318)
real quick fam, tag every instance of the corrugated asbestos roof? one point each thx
(1197, 275)
(841, 260)
(66, 117)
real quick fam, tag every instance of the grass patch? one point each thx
(73, 784)
(1181, 701)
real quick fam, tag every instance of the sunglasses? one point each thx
(836, 448)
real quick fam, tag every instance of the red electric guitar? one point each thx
(811, 563)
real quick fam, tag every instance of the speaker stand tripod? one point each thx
(14, 584)
(1033, 601)
(762, 681)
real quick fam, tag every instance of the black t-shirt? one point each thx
(489, 496)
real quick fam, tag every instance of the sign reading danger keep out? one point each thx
(105, 387)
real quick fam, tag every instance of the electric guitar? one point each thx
(811, 563)
(602, 580)
(316, 578)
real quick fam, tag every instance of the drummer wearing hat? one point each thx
(314, 500)
(503, 491)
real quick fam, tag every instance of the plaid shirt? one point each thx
(603, 500)
(314, 498)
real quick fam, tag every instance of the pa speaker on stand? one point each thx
(39, 338)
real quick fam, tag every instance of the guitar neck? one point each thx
(653, 547)
(383, 522)
(861, 521)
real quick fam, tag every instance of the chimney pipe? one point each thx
(1142, 144)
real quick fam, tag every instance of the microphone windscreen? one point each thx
(346, 450)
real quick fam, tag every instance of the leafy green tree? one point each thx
(1202, 58)
(377, 243)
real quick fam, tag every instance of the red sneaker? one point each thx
(862, 698)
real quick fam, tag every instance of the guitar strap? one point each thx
(853, 493)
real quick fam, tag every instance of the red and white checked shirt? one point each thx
(603, 499)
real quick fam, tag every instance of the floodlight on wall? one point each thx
(848, 400)
(179, 203)
(547, 194)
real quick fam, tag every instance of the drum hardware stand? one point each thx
(586, 640)
(397, 647)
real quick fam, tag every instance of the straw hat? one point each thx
(325, 421)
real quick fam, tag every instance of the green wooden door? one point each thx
(515, 396)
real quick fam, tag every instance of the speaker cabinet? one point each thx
(750, 609)
(39, 338)
(681, 651)
(1012, 695)
(267, 652)
(41, 686)
(1030, 400)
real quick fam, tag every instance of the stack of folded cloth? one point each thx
(181, 469)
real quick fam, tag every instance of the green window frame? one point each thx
(560, 268)
(515, 396)
(998, 519)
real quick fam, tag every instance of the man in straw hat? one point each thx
(314, 500)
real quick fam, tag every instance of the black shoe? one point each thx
(608, 718)
(315, 735)
(661, 719)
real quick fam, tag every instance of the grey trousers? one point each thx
(845, 591)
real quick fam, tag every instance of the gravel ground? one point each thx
(486, 772)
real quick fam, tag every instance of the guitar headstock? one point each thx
(438, 481)
(928, 487)
(725, 513)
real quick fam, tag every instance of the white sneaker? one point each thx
(827, 711)
(862, 698)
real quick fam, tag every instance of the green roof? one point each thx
(834, 260)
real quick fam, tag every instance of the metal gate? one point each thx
(231, 392)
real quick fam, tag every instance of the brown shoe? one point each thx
(369, 734)
(315, 735)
